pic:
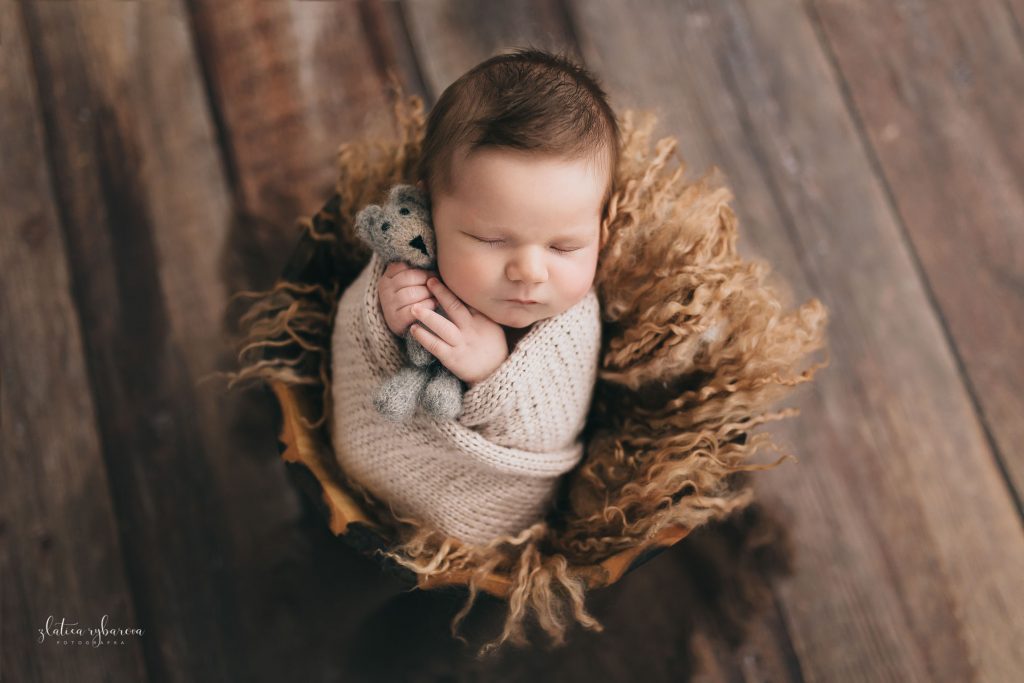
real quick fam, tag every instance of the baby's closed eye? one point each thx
(497, 242)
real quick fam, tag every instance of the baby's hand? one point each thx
(469, 343)
(400, 288)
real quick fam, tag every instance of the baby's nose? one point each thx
(527, 268)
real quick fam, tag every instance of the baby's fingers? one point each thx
(395, 267)
(438, 324)
(411, 295)
(404, 314)
(452, 305)
(412, 276)
(434, 345)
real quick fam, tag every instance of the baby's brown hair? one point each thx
(526, 99)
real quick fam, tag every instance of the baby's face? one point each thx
(518, 226)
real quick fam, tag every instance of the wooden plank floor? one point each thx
(154, 158)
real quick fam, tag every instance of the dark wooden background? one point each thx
(154, 158)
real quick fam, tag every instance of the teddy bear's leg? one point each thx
(417, 355)
(397, 397)
(442, 396)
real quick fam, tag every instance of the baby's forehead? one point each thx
(496, 185)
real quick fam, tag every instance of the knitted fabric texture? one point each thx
(493, 470)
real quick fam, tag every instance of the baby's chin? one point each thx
(519, 317)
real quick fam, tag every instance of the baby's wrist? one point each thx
(472, 382)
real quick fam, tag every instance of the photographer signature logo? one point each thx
(64, 632)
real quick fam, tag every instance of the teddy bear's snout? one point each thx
(417, 243)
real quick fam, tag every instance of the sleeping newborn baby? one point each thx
(517, 209)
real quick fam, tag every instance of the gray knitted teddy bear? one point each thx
(401, 230)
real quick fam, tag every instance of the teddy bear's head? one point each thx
(401, 229)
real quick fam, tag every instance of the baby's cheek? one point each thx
(579, 282)
(457, 271)
(445, 259)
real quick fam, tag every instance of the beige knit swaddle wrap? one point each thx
(492, 471)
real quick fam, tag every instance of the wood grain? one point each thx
(154, 188)
(60, 552)
(938, 92)
(287, 83)
(450, 37)
(97, 99)
(899, 506)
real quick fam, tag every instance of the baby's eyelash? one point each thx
(497, 242)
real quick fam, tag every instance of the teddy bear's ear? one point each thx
(409, 194)
(366, 219)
